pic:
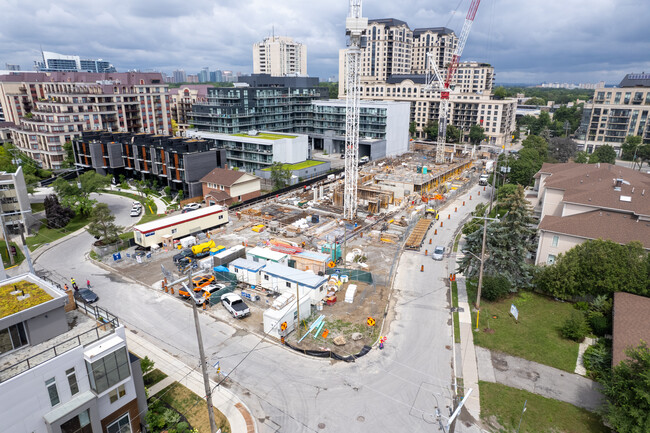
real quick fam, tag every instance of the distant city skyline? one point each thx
(527, 42)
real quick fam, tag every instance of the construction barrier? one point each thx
(330, 354)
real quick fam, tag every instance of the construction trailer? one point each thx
(266, 255)
(283, 279)
(283, 310)
(179, 226)
(247, 271)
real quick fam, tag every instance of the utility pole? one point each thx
(204, 368)
(480, 272)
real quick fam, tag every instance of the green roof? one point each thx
(10, 304)
(298, 165)
(265, 136)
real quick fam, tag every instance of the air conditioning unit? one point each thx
(160, 132)
(110, 129)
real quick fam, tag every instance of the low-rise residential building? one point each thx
(616, 112)
(14, 200)
(224, 187)
(257, 150)
(383, 127)
(177, 162)
(578, 202)
(64, 372)
(631, 324)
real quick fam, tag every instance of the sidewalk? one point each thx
(160, 205)
(239, 416)
(469, 366)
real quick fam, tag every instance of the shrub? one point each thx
(599, 323)
(581, 306)
(146, 365)
(495, 288)
(575, 327)
(597, 359)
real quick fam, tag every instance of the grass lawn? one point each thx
(298, 165)
(265, 136)
(135, 197)
(153, 377)
(192, 407)
(537, 335)
(454, 301)
(504, 405)
(38, 207)
(46, 235)
(18, 258)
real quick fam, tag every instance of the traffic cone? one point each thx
(449, 216)
(430, 241)
(470, 197)
(426, 252)
(483, 188)
(455, 209)
(435, 232)
(479, 193)
(422, 268)
(463, 202)
(440, 223)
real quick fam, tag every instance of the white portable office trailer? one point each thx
(283, 279)
(178, 226)
(247, 271)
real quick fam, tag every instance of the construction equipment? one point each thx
(434, 82)
(355, 27)
(415, 239)
(202, 250)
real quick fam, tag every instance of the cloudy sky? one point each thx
(527, 41)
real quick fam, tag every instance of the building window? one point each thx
(266, 277)
(78, 424)
(555, 241)
(174, 231)
(12, 337)
(550, 259)
(288, 284)
(122, 425)
(117, 393)
(72, 381)
(52, 391)
(108, 371)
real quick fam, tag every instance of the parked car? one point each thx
(208, 291)
(193, 206)
(86, 296)
(137, 204)
(186, 253)
(234, 304)
(438, 253)
(136, 211)
(186, 210)
(483, 180)
(201, 281)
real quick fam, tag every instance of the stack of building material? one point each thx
(350, 292)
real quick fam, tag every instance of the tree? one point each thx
(562, 149)
(332, 88)
(174, 127)
(476, 134)
(605, 154)
(280, 175)
(500, 93)
(68, 161)
(630, 146)
(535, 101)
(568, 118)
(78, 198)
(431, 129)
(581, 157)
(56, 216)
(643, 154)
(628, 392)
(597, 267)
(102, 225)
(508, 243)
(413, 129)
(453, 134)
(529, 160)
(541, 123)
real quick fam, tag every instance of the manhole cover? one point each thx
(361, 418)
(321, 425)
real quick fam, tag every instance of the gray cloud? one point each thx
(526, 41)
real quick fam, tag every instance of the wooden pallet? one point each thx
(415, 239)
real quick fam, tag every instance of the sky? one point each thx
(527, 41)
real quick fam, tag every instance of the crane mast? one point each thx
(434, 81)
(355, 26)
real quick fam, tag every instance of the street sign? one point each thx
(370, 321)
(514, 311)
(117, 257)
(283, 326)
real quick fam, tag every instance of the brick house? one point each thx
(222, 186)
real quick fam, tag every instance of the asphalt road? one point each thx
(395, 389)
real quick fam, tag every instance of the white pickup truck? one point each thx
(234, 304)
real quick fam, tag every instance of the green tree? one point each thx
(68, 161)
(581, 157)
(102, 225)
(280, 175)
(77, 197)
(529, 160)
(643, 155)
(431, 129)
(597, 267)
(628, 393)
(630, 146)
(453, 134)
(476, 134)
(500, 92)
(413, 129)
(174, 127)
(56, 216)
(542, 122)
(332, 88)
(605, 154)
(508, 242)
(535, 101)
(561, 149)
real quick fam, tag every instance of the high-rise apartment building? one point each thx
(179, 76)
(10, 67)
(204, 75)
(279, 56)
(216, 76)
(49, 109)
(62, 370)
(393, 67)
(616, 112)
(61, 62)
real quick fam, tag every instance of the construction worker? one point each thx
(88, 283)
(74, 284)
(65, 287)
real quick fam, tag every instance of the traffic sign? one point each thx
(370, 321)
(283, 326)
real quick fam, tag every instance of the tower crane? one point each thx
(434, 81)
(355, 27)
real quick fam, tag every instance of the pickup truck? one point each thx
(234, 304)
(186, 253)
